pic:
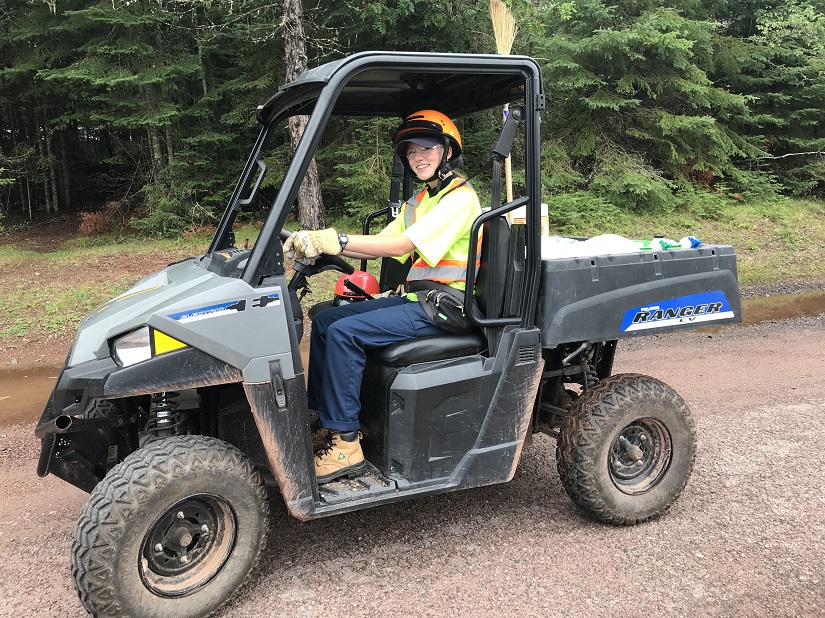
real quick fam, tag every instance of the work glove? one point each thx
(313, 243)
(291, 252)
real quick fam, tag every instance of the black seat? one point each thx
(421, 349)
(490, 292)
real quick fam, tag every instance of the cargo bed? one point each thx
(604, 297)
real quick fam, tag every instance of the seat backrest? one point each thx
(491, 279)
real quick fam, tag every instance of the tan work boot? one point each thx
(319, 436)
(340, 457)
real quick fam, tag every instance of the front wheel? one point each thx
(626, 451)
(171, 532)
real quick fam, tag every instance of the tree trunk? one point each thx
(52, 169)
(201, 63)
(64, 172)
(170, 148)
(29, 198)
(310, 202)
(22, 195)
(41, 172)
(156, 150)
(204, 83)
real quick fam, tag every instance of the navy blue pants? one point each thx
(337, 353)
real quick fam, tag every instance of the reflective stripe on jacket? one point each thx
(452, 269)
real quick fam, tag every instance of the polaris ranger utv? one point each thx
(184, 398)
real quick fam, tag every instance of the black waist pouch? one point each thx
(443, 306)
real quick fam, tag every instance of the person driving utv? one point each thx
(435, 224)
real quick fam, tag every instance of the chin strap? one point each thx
(446, 167)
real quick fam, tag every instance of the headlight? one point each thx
(143, 344)
(132, 348)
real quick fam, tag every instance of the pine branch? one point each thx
(793, 154)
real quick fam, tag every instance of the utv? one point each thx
(184, 398)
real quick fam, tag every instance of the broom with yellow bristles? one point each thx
(504, 27)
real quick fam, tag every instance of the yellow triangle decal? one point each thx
(164, 343)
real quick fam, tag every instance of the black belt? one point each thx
(422, 285)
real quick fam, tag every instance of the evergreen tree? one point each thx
(792, 38)
(635, 116)
(149, 107)
(32, 144)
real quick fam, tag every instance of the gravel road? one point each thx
(747, 537)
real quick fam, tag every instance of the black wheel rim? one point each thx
(187, 545)
(640, 455)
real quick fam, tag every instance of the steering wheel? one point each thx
(322, 262)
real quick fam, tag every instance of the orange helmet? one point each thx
(428, 127)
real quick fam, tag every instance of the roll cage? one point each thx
(390, 84)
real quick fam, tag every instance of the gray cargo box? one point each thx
(606, 297)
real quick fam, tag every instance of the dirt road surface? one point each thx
(747, 537)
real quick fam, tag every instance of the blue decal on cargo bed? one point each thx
(704, 307)
(212, 311)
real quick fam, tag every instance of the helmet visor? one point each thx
(424, 142)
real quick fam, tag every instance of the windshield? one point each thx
(256, 191)
(353, 166)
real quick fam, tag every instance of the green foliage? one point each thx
(582, 213)
(362, 159)
(558, 173)
(782, 70)
(799, 23)
(171, 210)
(411, 25)
(637, 113)
(626, 182)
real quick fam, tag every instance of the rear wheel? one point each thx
(172, 531)
(626, 451)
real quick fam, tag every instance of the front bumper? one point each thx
(73, 447)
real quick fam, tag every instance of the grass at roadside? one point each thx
(50, 307)
(774, 241)
(49, 293)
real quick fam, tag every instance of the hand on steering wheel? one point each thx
(293, 251)
(311, 244)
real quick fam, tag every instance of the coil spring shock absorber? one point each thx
(163, 419)
(586, 351)
(588, 378)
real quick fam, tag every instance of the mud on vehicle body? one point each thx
(182, 399)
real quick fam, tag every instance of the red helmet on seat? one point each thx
(364, 280)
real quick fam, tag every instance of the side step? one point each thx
(366, 485)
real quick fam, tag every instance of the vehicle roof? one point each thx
(394, 84)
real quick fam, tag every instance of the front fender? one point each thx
(79, 455)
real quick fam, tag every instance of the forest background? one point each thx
(141, 114)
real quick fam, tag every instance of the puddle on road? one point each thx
(782, 306)
(23, 394)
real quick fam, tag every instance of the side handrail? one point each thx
(366, 229)
(469, 290)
